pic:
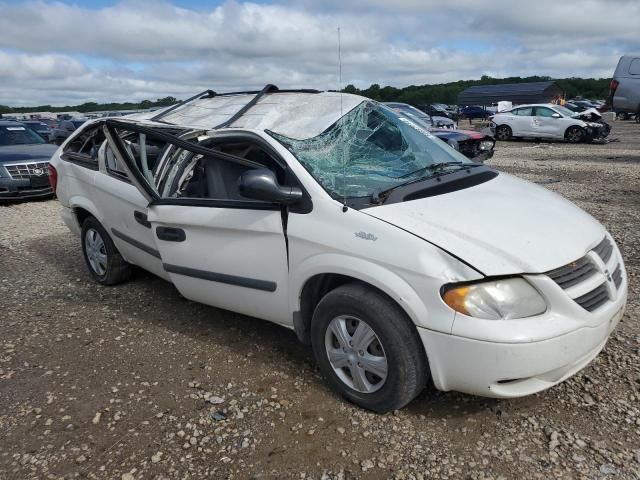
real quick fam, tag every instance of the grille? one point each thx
(573, 273)
(584, 269)
(28, 170)
(604, 249)
(594, 299)
(617, 276)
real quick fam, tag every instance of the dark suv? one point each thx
(24, 162)
(64, 129)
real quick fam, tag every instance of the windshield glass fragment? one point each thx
(370, 149)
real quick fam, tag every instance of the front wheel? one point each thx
(504, 132)
(368, 349)
(622, 116)
(105, 263)
(574, 134)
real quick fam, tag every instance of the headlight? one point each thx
(495, 299)
(486, 145)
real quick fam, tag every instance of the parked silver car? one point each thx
(550, 122)
(624, 94)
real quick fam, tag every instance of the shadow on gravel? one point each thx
(156, 301)
(153, 301)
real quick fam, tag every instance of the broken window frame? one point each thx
(113, 131)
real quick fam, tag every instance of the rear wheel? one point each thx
(103, 259)
(574, 134)
(622, 116)
(504, 132)
(367, 348)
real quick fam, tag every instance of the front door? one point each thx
(216, 246)
(545, 125)
(232, 258)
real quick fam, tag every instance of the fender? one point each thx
(368, 272)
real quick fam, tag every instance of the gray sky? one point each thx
(65, 53)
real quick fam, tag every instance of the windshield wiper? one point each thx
(434, 167)
(438, 166)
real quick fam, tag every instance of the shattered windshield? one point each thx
(370, 149)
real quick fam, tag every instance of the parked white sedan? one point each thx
(548, 121)
(392, 255)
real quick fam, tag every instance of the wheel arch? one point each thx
(83, 208)
(317, 282)
(575, 125)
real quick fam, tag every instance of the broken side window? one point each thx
(83, 149)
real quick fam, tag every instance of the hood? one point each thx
(589, 115)
(504, 226)
(24, 153)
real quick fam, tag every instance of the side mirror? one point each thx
(556, 115)
(262, 184)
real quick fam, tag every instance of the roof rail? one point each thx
(206, 93)
(267, 88)
(277, 90)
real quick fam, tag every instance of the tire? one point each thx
(391, 337)
(574, 134)
(504, 132)
(622, 116)
(103, 260)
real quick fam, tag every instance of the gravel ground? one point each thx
(134, 382)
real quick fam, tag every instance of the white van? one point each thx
(394, 256)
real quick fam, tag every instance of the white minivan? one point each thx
(395, 257)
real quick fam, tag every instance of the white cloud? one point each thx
(59, 53)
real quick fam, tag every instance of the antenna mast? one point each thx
(344, 160)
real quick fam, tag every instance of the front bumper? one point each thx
(513, 358)
(21, 188)
(507, 370)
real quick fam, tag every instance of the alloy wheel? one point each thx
(574, 135)
(503, 133)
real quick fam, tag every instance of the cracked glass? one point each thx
(370, 149)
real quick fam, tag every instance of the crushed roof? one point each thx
(297, 115)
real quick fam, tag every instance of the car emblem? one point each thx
(38, 171)
(366, 236)
(608, 275)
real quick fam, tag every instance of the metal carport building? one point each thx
(516, 93)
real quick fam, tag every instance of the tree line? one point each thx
(414, 94)
(448, 92)
(93, 106)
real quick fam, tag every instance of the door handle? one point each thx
(170, 234)
(141, 218)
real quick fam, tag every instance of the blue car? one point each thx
(474, 112)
